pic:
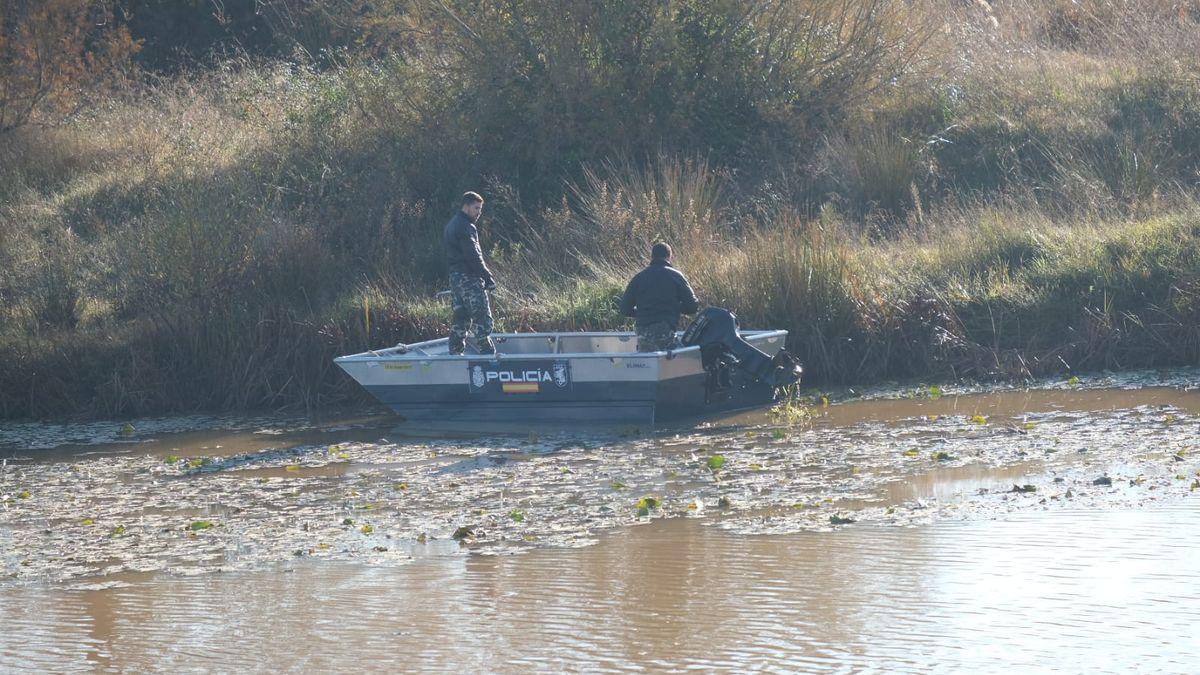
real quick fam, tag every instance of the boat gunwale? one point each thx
(390, 353)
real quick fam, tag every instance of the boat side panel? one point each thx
(457, 371)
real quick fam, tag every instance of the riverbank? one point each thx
(997, 195)
(992, 295)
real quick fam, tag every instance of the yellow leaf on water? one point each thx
(978, 419)
(293, 467)
(367, 529)
(911, 452)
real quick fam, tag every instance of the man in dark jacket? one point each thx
(656, 297)
(470, 279)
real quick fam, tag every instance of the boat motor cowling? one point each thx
(715, 331)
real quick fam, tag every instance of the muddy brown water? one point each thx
(1039, 529)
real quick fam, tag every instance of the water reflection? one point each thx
(1076, 590)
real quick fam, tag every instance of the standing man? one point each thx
(470, 279)
(656, 297)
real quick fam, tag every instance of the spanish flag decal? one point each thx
(520, 387)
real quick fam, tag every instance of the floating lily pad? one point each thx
(198, 525)
(649, 503)
(715, 463)
(517, 516)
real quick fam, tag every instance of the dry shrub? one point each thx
(52, 50)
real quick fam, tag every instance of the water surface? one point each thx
(1046, 529)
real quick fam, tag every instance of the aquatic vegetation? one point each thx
(791, 411)
(507, 495)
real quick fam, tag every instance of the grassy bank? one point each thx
(999, 193)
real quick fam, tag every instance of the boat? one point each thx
(591, 378)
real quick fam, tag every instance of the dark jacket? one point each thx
(461, 241)
(658, 294)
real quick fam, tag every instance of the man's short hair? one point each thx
(660, 250)
(471, 198)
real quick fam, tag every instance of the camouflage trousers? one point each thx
(472, 314)
(656, 337)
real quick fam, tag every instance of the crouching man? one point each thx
(655, 298)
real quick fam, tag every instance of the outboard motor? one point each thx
(715, 331)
